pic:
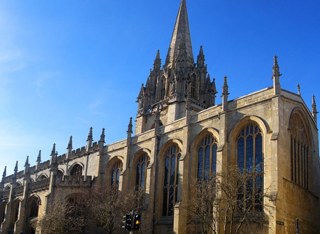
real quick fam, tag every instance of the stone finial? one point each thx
(200, 59)
(129, 131)
(16, 168)
(26, 166)
(39, 158)
(276, 76)
(27, 162)
(276, 68)
(4, 174)
(299, 89)
(53, 151)
(225, 94)
(225, 88)
(157, 62)
(314, 109)
(90, 137)
(102, 136)
(70, 147)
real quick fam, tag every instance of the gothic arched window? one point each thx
(141, 171)
(76, 170)
(300, 149)
(34, 203)
(207, 158)
(59, 175)
(115, 174)
(250, 164)
(171, 179)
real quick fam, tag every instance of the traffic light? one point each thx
(127, 222)
(136, 221)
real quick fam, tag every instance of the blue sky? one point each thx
(68, 65)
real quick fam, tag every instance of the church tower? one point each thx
(177, 85)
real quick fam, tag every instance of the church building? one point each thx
(182, 136)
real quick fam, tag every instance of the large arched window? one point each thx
(250, 164)
(115, 174)
(171, 179)
(207, 158)
(141, 171)
(76, 170)
(300, 149)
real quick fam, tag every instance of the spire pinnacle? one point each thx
(299, 89)
(90, 138)
(314, 108)
(16, 168)
(4, 174)
(276, 69)
(129, 132)
(102, 136)
(53, 151)
(225, 87)
(157, 61)
(70, 147)
(276, 76)
(180, 39)
(225, 94)
(39, 157)
(27, 162)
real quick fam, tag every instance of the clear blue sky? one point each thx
(69, 65)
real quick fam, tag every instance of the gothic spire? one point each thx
(102, 136)
(180, 39)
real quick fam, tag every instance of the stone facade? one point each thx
(176, 111)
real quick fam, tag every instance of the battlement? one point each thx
(39, 185)
(75, 181)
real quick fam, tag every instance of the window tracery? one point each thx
(250, 164)
(171, 180)
(207, 158)
(300, 149)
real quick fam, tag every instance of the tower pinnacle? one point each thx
(276, 76)
(314, 109)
